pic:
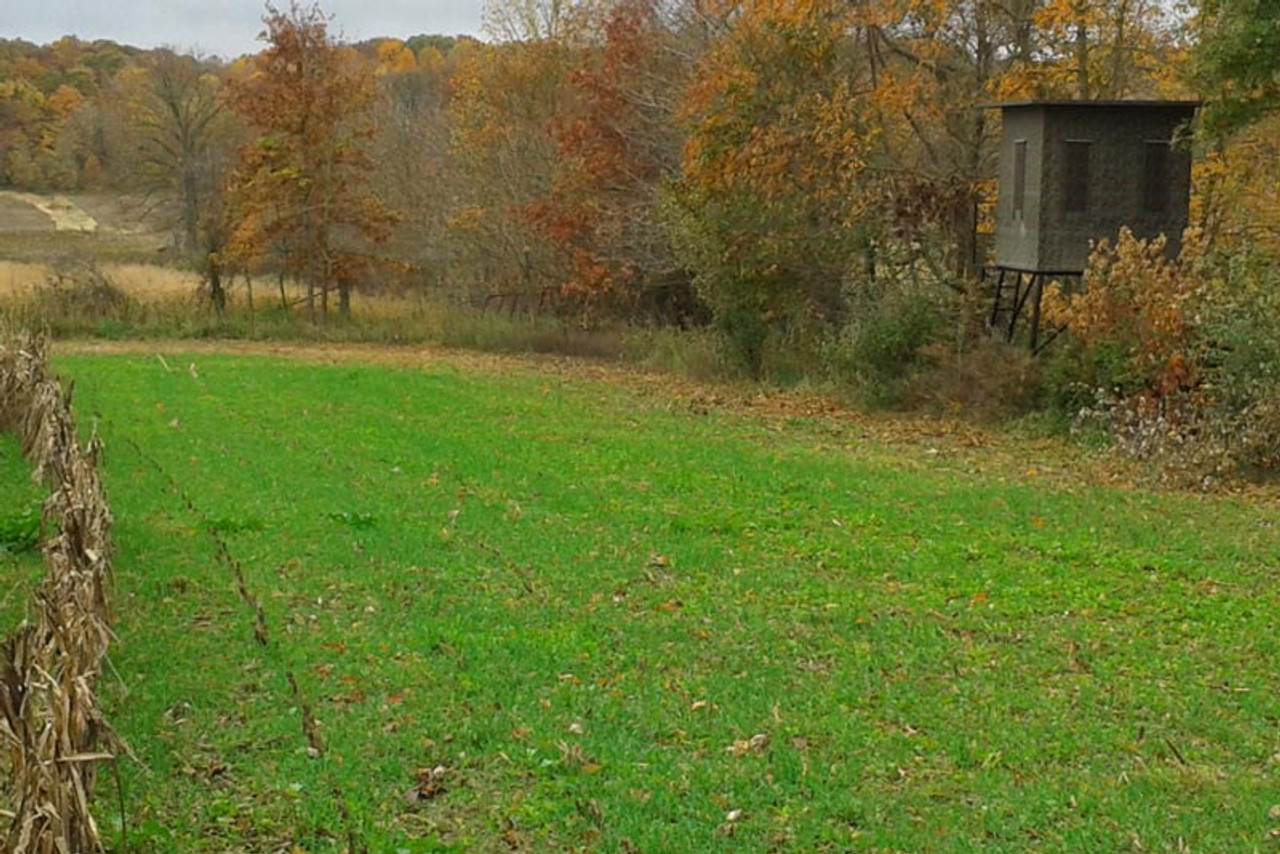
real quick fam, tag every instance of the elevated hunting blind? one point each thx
(1074, 172)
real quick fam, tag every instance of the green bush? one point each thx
(882, 348)
(1076, 376)
(1239, 363)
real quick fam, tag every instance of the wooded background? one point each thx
(811, 180)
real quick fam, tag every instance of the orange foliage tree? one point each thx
(301, 185)
(768, 213)
(618, 143)
(505, 99)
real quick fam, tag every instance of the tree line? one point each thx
(806, 176)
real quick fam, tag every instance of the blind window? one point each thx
(1076, 191)
(1155, 178)
(1019, 178)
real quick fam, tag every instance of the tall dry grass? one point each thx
(82, 298)
(139, 281)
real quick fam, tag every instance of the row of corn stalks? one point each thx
(51, 725)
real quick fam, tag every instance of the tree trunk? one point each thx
(1121, 59)
(963, 228)
(190, 212)
(217, 294)
(248, 290)
(344, 299)
(1084, 86)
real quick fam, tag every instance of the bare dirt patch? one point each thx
(65, 214)
(141, 219)
(105, 227)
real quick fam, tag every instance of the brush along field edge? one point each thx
(52, 728)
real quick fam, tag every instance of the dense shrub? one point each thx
(1179, 359)
(884, 344)
(987, 380)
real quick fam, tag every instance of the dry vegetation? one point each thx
(145, 282)
(50, 720)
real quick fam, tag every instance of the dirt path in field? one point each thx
(61, 211)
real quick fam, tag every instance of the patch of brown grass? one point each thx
(143, 282)
(18, 278)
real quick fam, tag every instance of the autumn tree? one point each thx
(169, 111)
(926, 68)
(176, 103)
(505, 97)
(619, 144)
(767, 214)
(1238, 61)
(1094, 49)
(830, 145)
(302, 184)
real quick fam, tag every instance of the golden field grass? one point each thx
(160, 287)
(144, 282)
(147, 301)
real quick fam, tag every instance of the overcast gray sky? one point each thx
(227, 28)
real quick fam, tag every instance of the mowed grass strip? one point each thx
(534, 612)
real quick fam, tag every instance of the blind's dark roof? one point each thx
(1004, 105)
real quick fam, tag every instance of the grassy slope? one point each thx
(942, 659)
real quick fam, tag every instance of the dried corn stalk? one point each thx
(52, 732)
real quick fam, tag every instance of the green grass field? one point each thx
(21, 566)
(533, 611)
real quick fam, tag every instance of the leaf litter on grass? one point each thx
(956, 659)
(937, 441)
